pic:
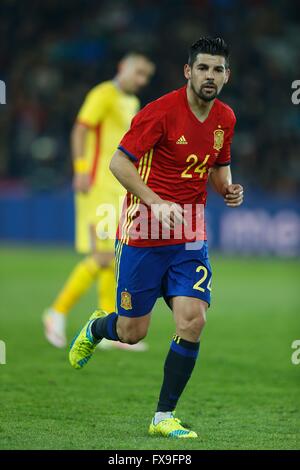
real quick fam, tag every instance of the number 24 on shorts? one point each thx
(198, 285)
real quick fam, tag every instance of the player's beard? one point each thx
(202, 94)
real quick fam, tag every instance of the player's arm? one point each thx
(91, 114)
(220, 174)
(81, 179)
(126, 173)
(221, 180)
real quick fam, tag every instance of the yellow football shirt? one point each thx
(107, 112)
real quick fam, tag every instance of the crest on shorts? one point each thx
(218, 139)
(126, 300)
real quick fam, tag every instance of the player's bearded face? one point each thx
(206, 91)
(207, 76)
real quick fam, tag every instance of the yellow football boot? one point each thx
(171, 427)
(84, 344)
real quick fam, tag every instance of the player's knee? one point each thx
(131, 335)
(194, 325)
(97, 258)
(193, 321)
(133, 339)
(104, 259)
(199, 322)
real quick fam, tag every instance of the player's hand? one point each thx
(81, 182)
(169, 214)
(234, 195)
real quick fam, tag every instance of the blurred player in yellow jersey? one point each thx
(101, 122)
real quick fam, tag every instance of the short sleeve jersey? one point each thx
(173, 152)
(107, 112)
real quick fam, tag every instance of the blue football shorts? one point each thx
(145, 273)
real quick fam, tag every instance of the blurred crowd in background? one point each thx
(53, 52)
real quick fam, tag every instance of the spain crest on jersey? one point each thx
(218, 139)
(126, 300)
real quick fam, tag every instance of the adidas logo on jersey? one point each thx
(181, 140)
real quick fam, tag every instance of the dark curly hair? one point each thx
(206, 45)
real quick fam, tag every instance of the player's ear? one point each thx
(120, 66)
(187, 71)
(227, 75)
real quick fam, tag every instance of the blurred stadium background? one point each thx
(52, 53)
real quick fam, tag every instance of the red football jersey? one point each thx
(173, 152)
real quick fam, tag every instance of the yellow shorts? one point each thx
(96, 220)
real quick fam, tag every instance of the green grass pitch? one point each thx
(244, 393)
